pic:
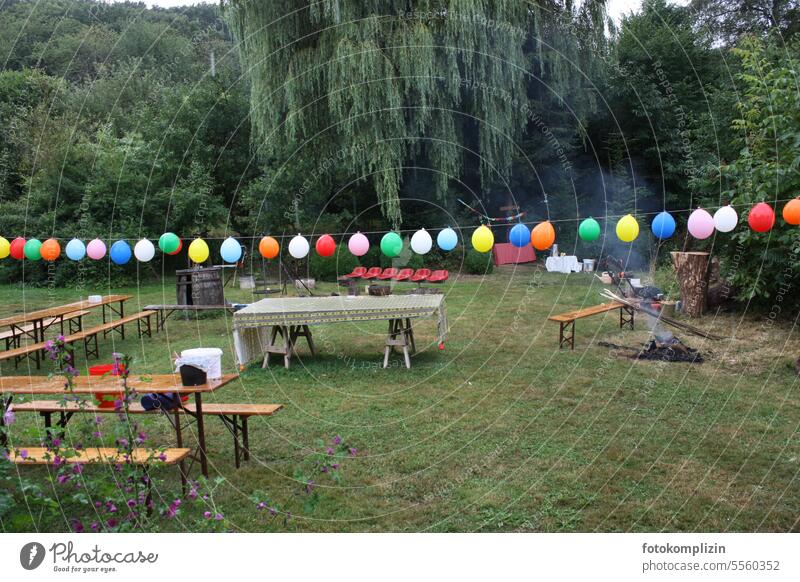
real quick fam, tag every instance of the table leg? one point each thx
(245, 439)
(122, 316)
(6, 404)
(201, 433)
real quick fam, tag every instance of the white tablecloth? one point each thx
(569, 264)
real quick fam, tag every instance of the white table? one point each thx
(568, 264)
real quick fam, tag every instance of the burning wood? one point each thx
(664, 347)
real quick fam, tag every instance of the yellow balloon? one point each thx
(198, 251)
(5, 248)
(482, 239)
(627, 228)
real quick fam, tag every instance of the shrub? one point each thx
(476, 263)
(329, 268)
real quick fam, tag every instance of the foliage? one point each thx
(478, 263)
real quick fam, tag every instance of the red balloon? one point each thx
(17, 248)
(761, 218)
(326, 246)
(179, 249)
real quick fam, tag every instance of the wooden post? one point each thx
(692, 271)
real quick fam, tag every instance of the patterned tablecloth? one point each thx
(251, 325)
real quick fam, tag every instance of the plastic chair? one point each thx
(357, 273)
(371, 273)
(421, 275)
(439, 276)
(388, 273)
(403, 275)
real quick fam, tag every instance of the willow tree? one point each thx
(374, 84)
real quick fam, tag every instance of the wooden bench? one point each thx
(164, 311)
(108, 455)
(566, 332)
(88, 336)
(233, 416)
(13, 336)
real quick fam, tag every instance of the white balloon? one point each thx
(298, 247)
(144, 251)
(726, 219)
(421, 242)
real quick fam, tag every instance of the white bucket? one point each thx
(209, 359)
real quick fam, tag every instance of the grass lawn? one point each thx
(501, 431)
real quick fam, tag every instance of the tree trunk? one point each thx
(692, 270)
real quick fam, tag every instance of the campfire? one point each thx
(664, 346)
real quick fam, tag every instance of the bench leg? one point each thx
(626, 317)
(245, 439)
(566, 334)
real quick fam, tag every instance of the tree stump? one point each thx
(692, 269)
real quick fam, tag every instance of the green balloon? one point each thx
(589, 230)
(33, 249)
(169, 242)
(391, 244)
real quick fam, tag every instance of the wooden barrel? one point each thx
(200, 286)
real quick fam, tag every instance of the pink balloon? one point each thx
(358, 244)
(701, 224)
(96, 249)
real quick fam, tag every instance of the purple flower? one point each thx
(335, 466)
(273, 511)
(8, 416)
(192, 494)
(62, 479)
(219, 517)
(123, 443)
(111, 507)
(77, 469)
(131, 503)
(337, 440)
(207, 514)
(162, 456)
(98, 420)
(261, 505)
(56, 443)
(324, 469)
(23, 453)
(58, 461)
(111, 523)
(310, 486)
(353, 451)
(95, 526)
(48, 345)
(60, 339)
(329, 451)
(97, 434)
(77, 526)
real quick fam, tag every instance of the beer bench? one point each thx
(164, 311)
(566, 321)
(13, 337)
(233, 416)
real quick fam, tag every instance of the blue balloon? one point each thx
(663, 225)
(520, 236)
(231, 250)
(447, 239)
(75, 250)
(120, 252)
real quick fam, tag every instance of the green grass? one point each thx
(501, 431)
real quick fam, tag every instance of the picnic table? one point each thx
(257, 326)
(91, 385)
(42, 319)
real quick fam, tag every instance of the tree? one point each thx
(728, 20)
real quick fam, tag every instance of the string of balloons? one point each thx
(701, 225)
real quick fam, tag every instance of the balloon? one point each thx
(5, 248)
(663, 225)
(50, 250)
(178, 250)
(169, 242)
(120, 252)
(96, 249)
(701, 224)
(298, 247)
(75, 250)
(447, 239)
(325, 246)
(482, 239)
(17, 248)
(231, 250)
(358, 244)
(725, 219)
(543, 236)
(421, 242)
(391, 244)
(520, 235)
(33, 249)
(761, 218)
(627, 228)
(198, 251)
(144, 251)
(269, 247)
(589, 230)
(791, 212)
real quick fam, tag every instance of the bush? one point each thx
(330, 268)
(476, 263)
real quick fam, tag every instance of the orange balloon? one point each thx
(269, 247)
(50, 249)
(791, 212)
(543, 236)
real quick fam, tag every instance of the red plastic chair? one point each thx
(388, 273)
(357, 273)
(372, 273)
(439, 276)
(421, 275)
(404, 275)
